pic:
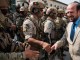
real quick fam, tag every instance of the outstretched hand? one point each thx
(30, 53)
(47, 47)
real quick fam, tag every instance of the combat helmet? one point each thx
(22, 8)
(36, 6)
(61, 11)
(51, 11)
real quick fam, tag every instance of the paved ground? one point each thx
(67, 57)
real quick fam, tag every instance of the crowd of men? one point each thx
(29, 32)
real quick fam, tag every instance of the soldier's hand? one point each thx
(46, 46)
(30, 53)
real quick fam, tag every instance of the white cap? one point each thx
(22, 8)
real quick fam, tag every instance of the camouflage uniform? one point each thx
(15, 16)
(12, 56)
(32, 29)
(59, 30)
(49, 27)
(8, 47)
(60, 24)
(19, 18)
(8, 23)
(29, 30)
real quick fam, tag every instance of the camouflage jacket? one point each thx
(8, 46)
(9, 49)
(12, 56)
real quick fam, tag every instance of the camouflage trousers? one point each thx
(43, 56)
(11, 56)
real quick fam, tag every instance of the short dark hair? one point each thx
(75, 2)
(78, 6)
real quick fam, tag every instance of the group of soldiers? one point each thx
(29, 32)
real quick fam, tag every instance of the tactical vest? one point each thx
(39, 30)
(38, 35)
(59, 31)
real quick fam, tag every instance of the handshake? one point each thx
(34, 54)
(48, 48)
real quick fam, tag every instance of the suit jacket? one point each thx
(74, 46)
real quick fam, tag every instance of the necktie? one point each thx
(72, 31)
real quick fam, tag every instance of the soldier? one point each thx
(60, 29)
(19, 22)
(9, 24)
(16, 14)
(31, 29)
(49, 27)
(9, 49)
(12, 50)
(16, 17)
(60, 24)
